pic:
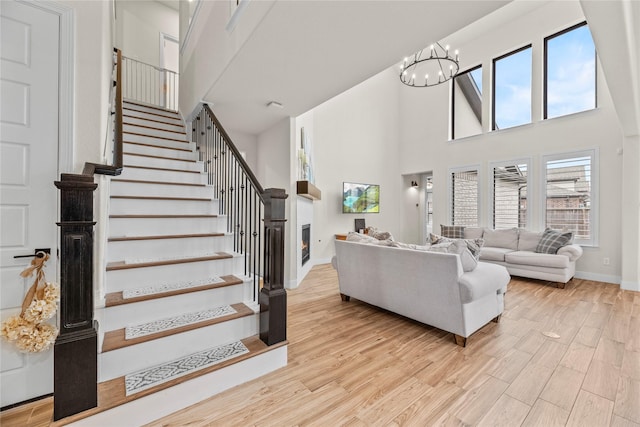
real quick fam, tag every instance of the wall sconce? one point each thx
(414, 183)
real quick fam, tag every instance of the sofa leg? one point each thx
(461, 341)
(497, 318)
(560, 285)
(344, 297)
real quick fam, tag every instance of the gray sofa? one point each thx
(429, 287)
(515, 249)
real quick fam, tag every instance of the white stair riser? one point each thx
(182, 142)
(156, 151)
(124, 188)
(134, 112)
(156, 123)
(119, 227)
(159, 142)
(117, 363)
(164, 176)
(166, 207)
(150, 108)
(133, 278)
(152, 132)
(162, 163)
(120, 316)
(163, 248)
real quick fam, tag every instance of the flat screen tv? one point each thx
(360, 198)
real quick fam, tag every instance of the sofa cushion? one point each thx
(528, 240)
(473, 232)
(473, 245)
(363, 238)
(484, 280)
(553, 240)
(537, 259)
(493, 254)
(506, 238)
(452, 231)
(458, 246)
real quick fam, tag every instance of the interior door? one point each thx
(28, 167)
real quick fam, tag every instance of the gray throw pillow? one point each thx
(458, 246)
(553, 240)
(474, 245)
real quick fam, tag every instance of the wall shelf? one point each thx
(308, 190)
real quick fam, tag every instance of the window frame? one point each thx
(453, 102)
(470, 168)
(545, 71)
(594, 195)
(493, 86)
(530, 189)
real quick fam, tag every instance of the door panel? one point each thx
(28, 167)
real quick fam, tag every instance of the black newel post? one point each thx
(273, 297)
(76, 349)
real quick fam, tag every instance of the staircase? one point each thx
(180, 319)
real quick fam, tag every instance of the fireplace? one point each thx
(306, 243)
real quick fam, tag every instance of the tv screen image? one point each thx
(360, 198)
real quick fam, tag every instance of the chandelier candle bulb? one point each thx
(456, 55)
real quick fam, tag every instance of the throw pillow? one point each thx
(452, 231)
(360, 238)
(379, 234)
(474, 245)
(553, 240)
(528, 240)
(473, 232)
(468, 261)
(506, 238)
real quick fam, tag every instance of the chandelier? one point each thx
(430, 68)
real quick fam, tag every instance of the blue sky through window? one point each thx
(512, 92)
(571, 73)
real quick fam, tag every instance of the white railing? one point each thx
(149, 84)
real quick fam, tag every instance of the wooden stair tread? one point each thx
(161, 169)
(144, 144)
(115, 298)
(112, 393)
(167, 236)
(151, 120)
(142, 216)
(182, 132)
(116, 339)
(155, 136)
(158, 157)
(140, 181)
(183, 199)
(121, 265)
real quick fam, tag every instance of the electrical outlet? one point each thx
(606, 261)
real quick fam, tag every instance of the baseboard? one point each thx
(165, 402)
(586, 275)
(630, 285)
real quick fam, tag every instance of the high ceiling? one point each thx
(305, 52)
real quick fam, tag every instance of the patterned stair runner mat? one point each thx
(160, 325)
(151, 377)
(169, 287)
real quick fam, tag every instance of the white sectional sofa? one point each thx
(515, 249)
(429, 287)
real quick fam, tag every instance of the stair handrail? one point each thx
(255, 219)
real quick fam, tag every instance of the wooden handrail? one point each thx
(243, 164)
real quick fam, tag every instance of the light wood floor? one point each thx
(558, 357)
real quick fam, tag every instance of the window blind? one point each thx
(510, 196)
(464, 198)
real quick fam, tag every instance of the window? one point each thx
(571, 193)
(466, 103)
(569, 72)
(464, 197)
(510, 194)
(512, 89)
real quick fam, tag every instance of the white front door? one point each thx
(28, 167)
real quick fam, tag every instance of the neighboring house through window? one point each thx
(509, 194)
(464, 196)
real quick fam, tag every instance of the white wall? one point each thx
(92, 80)
(425, 121)
(355, 138)
(247, 144)
(138, 27)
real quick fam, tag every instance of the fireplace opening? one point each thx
(306, 243)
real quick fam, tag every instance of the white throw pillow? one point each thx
(469, 263)
(528, 240)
